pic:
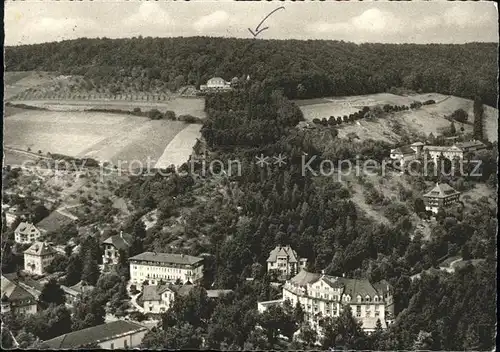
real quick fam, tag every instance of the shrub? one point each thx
(189, 119)
(429, 102)
(155, 114)
(170, 115)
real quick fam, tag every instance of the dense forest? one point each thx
(247, 215)
(304, 69)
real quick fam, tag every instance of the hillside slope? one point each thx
(413, 123)
(303, 69)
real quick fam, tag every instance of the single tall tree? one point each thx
(52, 293)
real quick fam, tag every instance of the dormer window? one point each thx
(359, 298)
(367, 298)
(375, 299)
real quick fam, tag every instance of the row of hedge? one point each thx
(376, 111)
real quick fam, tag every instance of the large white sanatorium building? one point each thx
(325, 296)
(167, 267)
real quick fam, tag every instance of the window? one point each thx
(125, 343)
(112, 347)
(375, 299)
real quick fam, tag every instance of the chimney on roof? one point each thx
(121, 234)
(343, 274)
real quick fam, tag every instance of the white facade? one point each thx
(285, 261)
(38, 257)
(161, 303)
(26, 233)
(216, 83)
(154, 267)
(325, 296)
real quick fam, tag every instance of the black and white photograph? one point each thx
(249, 175)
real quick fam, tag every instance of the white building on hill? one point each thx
(168, 267)
(325, 296)
(216, 83)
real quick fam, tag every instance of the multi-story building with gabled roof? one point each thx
(112, 247)
(324, 296)
(441, 196)
(167, 267)
(26, 232)
(38, 257)
(285, 261)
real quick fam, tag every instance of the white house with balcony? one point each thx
(26, 232)
(285, 261)
(38, 257)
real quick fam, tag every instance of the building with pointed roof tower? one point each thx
(38, 257)
(441, 196)
(285, 261)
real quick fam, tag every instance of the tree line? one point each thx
(303, 69)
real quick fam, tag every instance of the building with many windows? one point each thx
(441, 196)
(326, 296)
(16, 299)
(38, 257)
(26, 232)
(168, 267)
(285, 261)
(416, 150)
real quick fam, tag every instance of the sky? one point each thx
(438, 21)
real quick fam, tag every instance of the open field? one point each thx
(103, 136)
(181, 106)
(18, 82)
(428, 119)
(180, 147)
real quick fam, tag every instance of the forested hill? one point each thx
(305, 69)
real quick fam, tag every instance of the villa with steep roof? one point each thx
(441, 196)
(285, 261)
(168, 267)
(26, 233)
(326, 296)
(112, 247)
(16, 299)
(38, 257)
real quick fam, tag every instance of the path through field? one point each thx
(180, 148)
